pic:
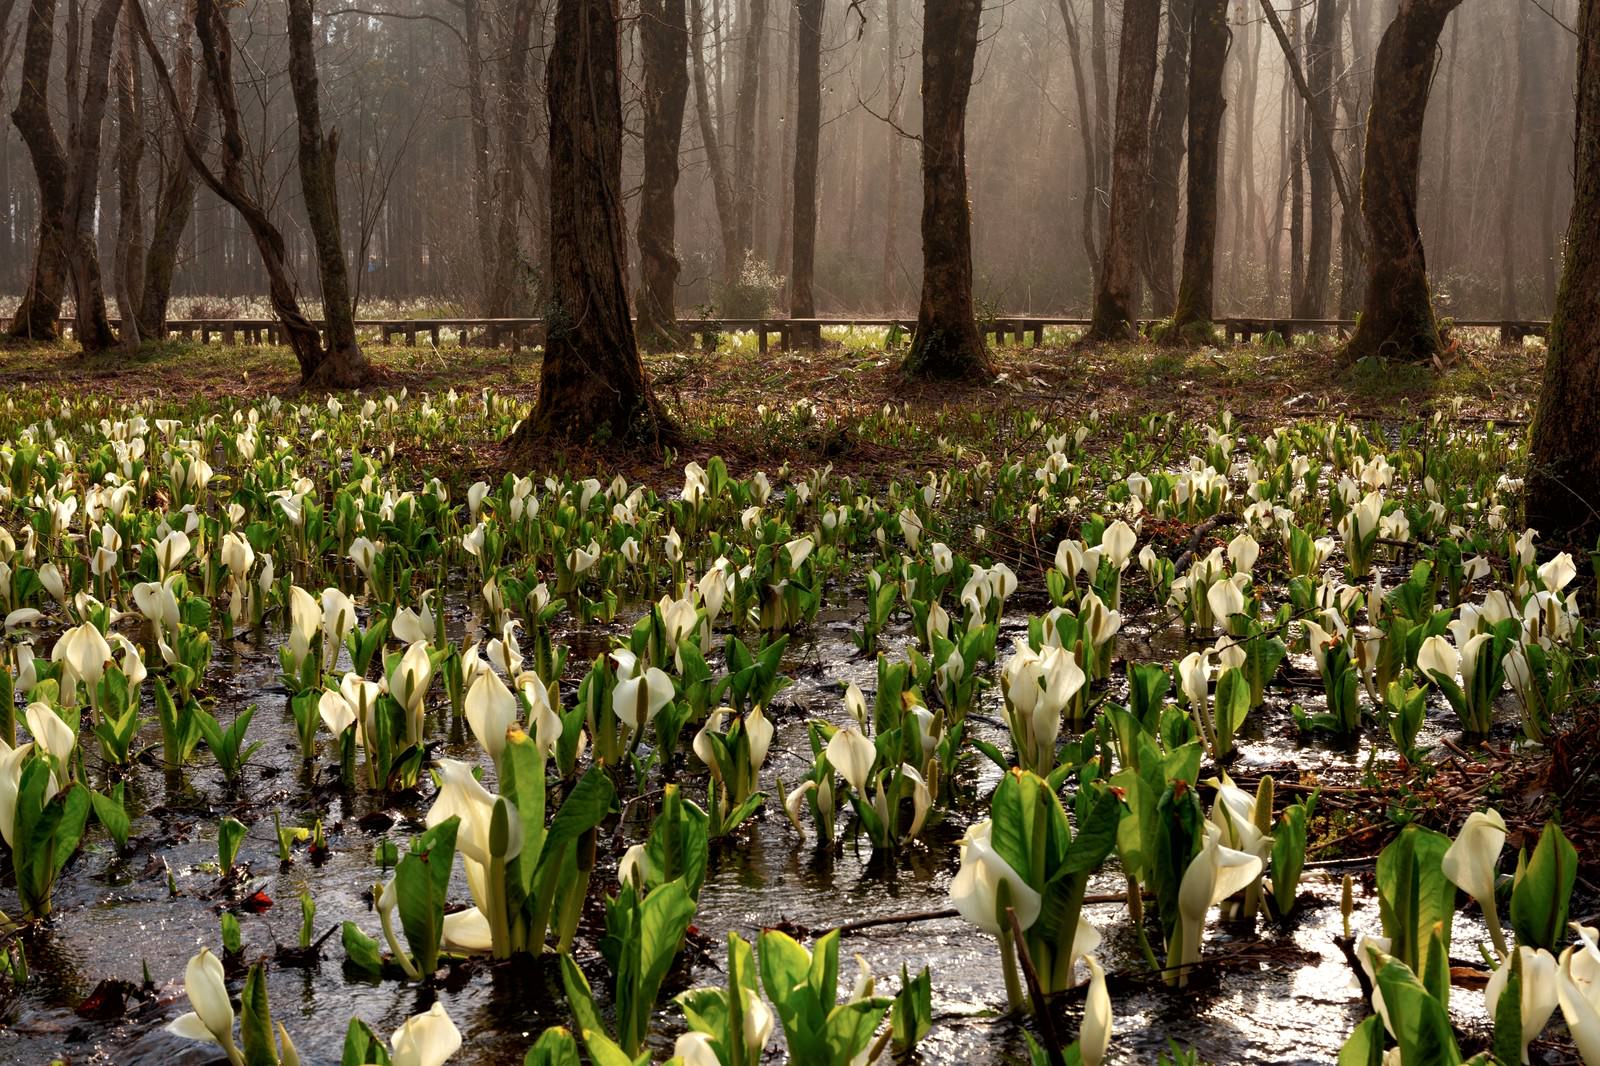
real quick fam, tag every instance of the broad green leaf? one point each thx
(1539, 900)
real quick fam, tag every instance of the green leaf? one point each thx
(911, 1016)
(421, 880)
(1416, 900)
(361, 951)
(555, 1047)
(230, 833)
(1539, 900)
(1421, 1023)
(1288, 857)
(1365, 1046)
(255, 1020)
(362, 1047)
(110, 812)
(1508, 1015)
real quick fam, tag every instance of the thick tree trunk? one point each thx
(807, 137)
(1397, 316)
(1166, 158)
(129, 264)
(91, 325)
(664, 40)
(1512, 192)
(1319, 164)
(1208, 55)
(491, 303)
(592, 384)
(37, 314)
(947, 343)
(175, 192)
(721, 187)
(1563, 482)
(343, 365)
(1117, 296)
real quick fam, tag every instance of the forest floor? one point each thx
(727, 402)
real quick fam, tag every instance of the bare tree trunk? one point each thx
(1208, 57)
(1445, 245)
(947, 343)
(592, 383)
(1086, 133)
(175, 191)
(1116, 303)
(1397, 316)
(1512, 192)
(37, 314)
(1319, 163)
(664, 40)
(87, 119)
(343, 365)
(1166, 158)
(754, 29)
(129, 266)
(1099, 64)
(482, 181)
(508, 258)
(1563, 482)
(807, 137)
(889, 285)
(721, 188)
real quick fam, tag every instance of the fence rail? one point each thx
(519, 332)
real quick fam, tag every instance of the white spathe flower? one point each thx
(852, 754)
(1558, 573)
(171, 550)
(335, 711)
(799, 550)
(975, 891)
(52, 734)
(1540, 995)
(1438, 656)
(1094, 1036)
(409, 681)
(427, 1039)
(1213, 875)
(491, 709)
(637, 700)
(207, 988)
(305, 618)
(463, 796)
(1580, 1001)
(338, 618)
(1470, 860)
(1118, 541)
(695, 1049)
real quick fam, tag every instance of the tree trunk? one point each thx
(343, 366)
(1397, 315)
(37, 314)
(664, 40)
(175, 192)
(1319, 163)
(807, 137)
(721, 188)
(86, 120)
(947, 343)
(1086, 134)
(1563, 483)
(889, 285)
(1117, 296)
(1516, 165)
(1208, 56)
(129, 266)
(508, 258)
(491, 303)
(592, 383)
(754, 29)
(1166, 158)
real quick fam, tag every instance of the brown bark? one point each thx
(1512, 193)
(1208, 55)
(592, 383)
(1117, 296)
(175, 190)
(129, 266)
(37, 314)
(889, 284)
(1319, 163)
(1091, 200)
(1166, 158)
(343, 366)
(721, 187)
(744, 131)
(87, 119)
(1563, 483)
(947, 343)
(482, 180)
(664, 40)
(508, 258)
(1397, 315)
(807, 137)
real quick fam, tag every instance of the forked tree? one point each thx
(1118, 290)
(947, 343)
(592, 383)
(1397, 319)
(1563, 482)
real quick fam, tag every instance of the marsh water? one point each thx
(1272, 995)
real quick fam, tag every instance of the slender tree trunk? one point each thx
(86, 120)
(1563, 483)
(754, 29)
(129, 264)
(1086, 134)
(175, 191)
(343, 365)
(1208, 57)
(592, 384)
(1397, 316)
(947, 343)
(664, 40)
(483, 214)
(508, 259)
(807, 137)
(1099, 64)
(1116, 303)
(1512, 192)
(1320, 162)
(721, 187)
(1446, 242)
(1166, 158)
(889, 284)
